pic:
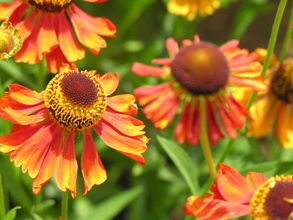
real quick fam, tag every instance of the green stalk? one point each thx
(2, 200)
(64, 211)
(205, 145)
(271, 45)
(288, 36)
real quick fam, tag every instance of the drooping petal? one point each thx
(26, 26)
(127, 124)
(146, 94)
(101, 26)
(56, 60)
(68, 44)
(92, 167)
(146, 70)
(8, 8)
(47, 37)
(213, 209)
(85, 33)
(284, 127)
(48, 165)
(17, 14)
(131, 146)
(66, 167)
(110, 82)
(233, 186)
(263, 115)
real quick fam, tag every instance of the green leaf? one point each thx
(11, 214)
(108, 209)
(183, 162)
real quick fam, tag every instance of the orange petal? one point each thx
(123, 103)
(132, 147)
(109, 82)
(47, 37)
(162, 61)
(214, 132)
(25, 95)
(254, 180)
(146, 94)
(172, 47)
(263, 115)
(56, 60)
(232, 185)
(213, 209)
(124, 123)
(253, 83)
(66, 167)
(162, 110)
(85, 32)
(146, 70)
(8, 8)
(47, 168)
(230, 45)
(101, 26)
(284, 127)
(68, 44)
(92, 167)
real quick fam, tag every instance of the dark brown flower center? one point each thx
(201, 68)
(279, 202)
(51, 5)
(6, 41)
(75, 100)
(79, 89)
(273, 199)
(282, 82)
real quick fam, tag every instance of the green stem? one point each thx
(288, 36)
(271, 45)
(65, 206)
(205, 141)
(226, 151)
(2, 200)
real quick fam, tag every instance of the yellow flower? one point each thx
(190, 8)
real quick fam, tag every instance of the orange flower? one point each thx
(190, 8)
(199, 76)
(10, 41)
(42, 138)
(48, 33)
(234, 196)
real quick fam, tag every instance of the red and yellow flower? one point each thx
(190, 8)
(234, 196)
(47, 32)
(199, 76)
(45, 124)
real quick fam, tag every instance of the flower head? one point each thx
(198, 71)
(273, 109)
(190, 8)
(45, 124)
(234, 196)
(47, 31)
(10, 41)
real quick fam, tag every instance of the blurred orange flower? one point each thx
(47, 31)
(234, 196)
(74, 102)
(199, 76)
(190, 8)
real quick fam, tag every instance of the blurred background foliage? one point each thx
(159, 190)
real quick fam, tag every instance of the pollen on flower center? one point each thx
(75, 100)
(282, 82)
(51, 5)
(6, 41)
(273, 199)
(201, 68)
